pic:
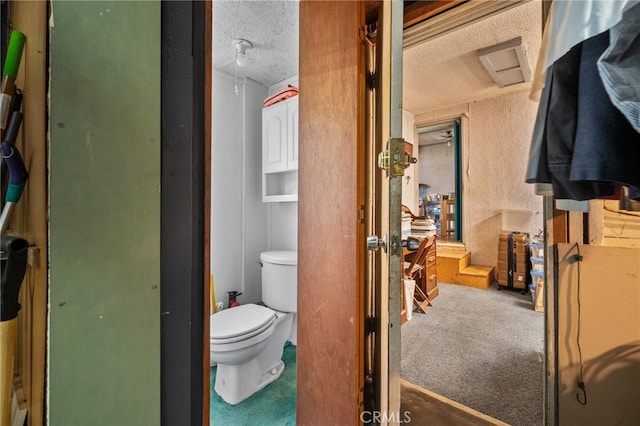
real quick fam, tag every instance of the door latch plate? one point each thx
(395, 159)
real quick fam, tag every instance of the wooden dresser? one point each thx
(429, 279)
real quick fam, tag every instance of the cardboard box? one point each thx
(537, 279)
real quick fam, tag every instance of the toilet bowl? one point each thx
(247, 343)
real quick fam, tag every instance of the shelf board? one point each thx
(279, 198)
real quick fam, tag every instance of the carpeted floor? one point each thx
(481, 348)
(275, 405)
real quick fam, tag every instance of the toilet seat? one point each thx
(240, 324)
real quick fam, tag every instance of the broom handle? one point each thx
(8, 335)
(13, 272)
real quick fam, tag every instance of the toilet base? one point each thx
(234, 385)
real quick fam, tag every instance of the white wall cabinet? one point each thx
(280, 151)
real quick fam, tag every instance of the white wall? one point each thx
(242, 226)
(496, 135)
(283, 226)
(494, 166)
(255, 212)
(409, 180)
(238, 216)
(437, 169)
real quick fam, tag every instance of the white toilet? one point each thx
(247, 341)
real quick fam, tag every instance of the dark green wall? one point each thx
(104, 346)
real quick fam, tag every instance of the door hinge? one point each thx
(370, 325)
(372, 81)
(395, 159)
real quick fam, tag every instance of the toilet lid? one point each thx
(240, 321)
(280, 257)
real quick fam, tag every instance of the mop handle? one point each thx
(13, 128)
(17, 171)
(14, 54)
(9, 74)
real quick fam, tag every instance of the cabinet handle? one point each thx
(432, 258)
(432, 277)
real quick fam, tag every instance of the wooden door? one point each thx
(331, 234)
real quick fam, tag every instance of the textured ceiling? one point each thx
(272, 27)
(438, 73)
(446, 71)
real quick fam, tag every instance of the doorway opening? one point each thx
(465, 346)
(254, 206)
(440, 179)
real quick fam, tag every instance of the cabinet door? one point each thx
(292, 133)
(274, 139)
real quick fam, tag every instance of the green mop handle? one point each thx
(9, 74)
(10, 287)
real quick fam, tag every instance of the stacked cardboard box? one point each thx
(513, 263)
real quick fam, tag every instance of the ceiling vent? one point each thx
(506, 62)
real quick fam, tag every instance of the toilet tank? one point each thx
(280, 280)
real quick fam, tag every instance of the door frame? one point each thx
(185, 153)
(460, 129)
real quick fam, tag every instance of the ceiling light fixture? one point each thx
(506, 62)
(241, 47)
